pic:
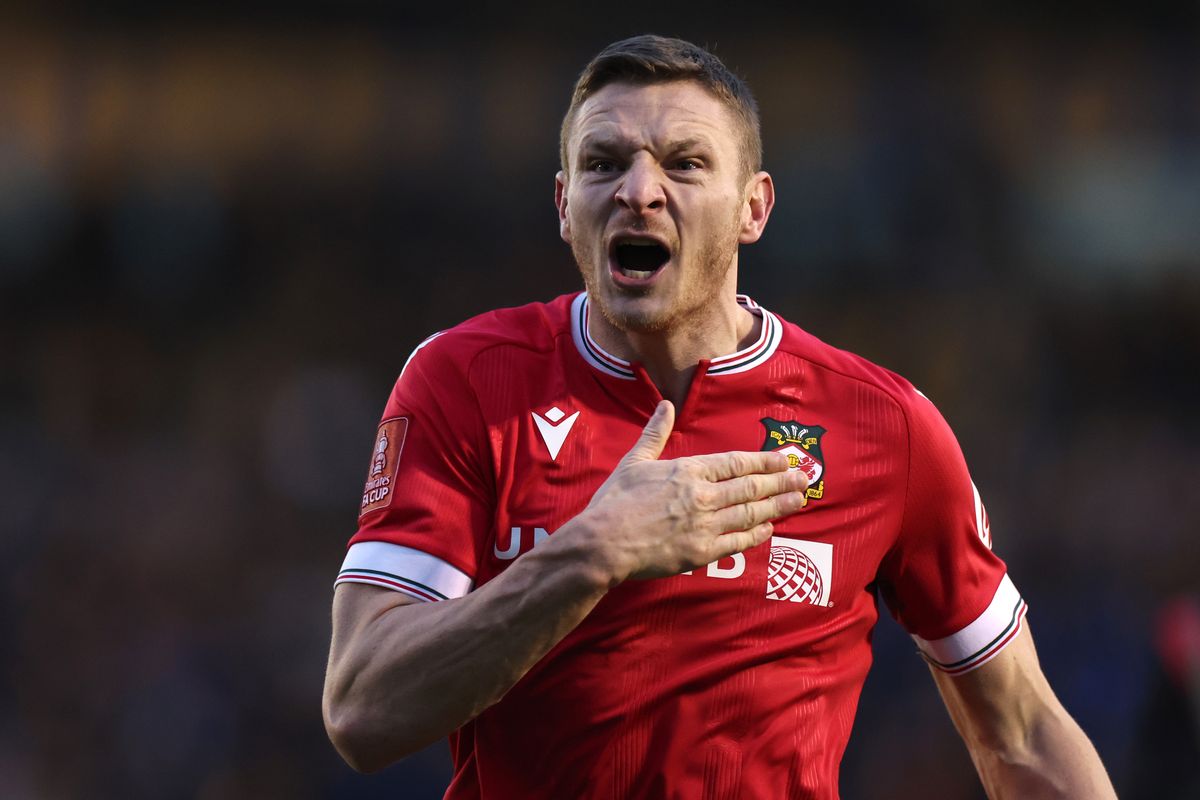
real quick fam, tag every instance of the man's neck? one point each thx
(670, 357)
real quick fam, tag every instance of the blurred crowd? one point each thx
(219, 243)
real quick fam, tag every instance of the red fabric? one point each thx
(692, 686)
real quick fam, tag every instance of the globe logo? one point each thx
(791, 575)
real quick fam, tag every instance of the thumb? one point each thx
(650, 444)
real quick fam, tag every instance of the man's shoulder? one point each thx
(844, 365)
(532, 327)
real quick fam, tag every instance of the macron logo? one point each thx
(554, 429)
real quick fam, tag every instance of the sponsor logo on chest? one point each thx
(798, 570)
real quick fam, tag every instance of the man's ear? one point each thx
(560, 201)
(760, 199)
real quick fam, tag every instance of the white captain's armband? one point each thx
(980, 641)
(403, 569)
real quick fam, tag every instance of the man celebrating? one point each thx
(627, 544)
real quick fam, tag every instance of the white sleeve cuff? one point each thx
(404, 569)
(980, 641)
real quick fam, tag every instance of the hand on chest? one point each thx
(551, 460)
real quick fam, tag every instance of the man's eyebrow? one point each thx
(600, 141)
(595, 141)
(693, 143)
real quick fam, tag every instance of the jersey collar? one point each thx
(744, 359)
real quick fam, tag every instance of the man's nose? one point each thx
(641, 187)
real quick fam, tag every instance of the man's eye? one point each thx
(687, 164)
(601, 165)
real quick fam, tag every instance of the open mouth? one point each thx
(640, 259)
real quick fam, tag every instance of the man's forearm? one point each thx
(404, 675)
(1023, 742)
(1056, 761)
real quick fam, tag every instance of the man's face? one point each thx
(656, 201)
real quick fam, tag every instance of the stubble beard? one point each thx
(695, 292)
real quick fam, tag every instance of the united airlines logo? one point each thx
(800, 571)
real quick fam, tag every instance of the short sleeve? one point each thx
(941, 579)
(428, 496)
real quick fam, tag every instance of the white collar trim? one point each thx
(745, 359)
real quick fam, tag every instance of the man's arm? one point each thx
(404, 674)
(1023, 742)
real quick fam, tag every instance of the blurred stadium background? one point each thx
(221, 234)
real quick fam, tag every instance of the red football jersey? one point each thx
(739, 679)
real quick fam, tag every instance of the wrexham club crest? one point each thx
(802, 445)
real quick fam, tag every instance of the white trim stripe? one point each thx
(593, 353)
(756, 353)
(983, 639)
(747, 301)
(404, 569)
(416, 350)
(981, 520)
(747, 358)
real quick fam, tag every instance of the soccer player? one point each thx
(629, 543)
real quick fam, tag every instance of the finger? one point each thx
(650, 444)
(757, 487)
(735, 542)
(746, 515)
(723, 466)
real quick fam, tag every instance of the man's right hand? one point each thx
(656, 518)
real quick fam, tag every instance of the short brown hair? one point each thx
(650, 59)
